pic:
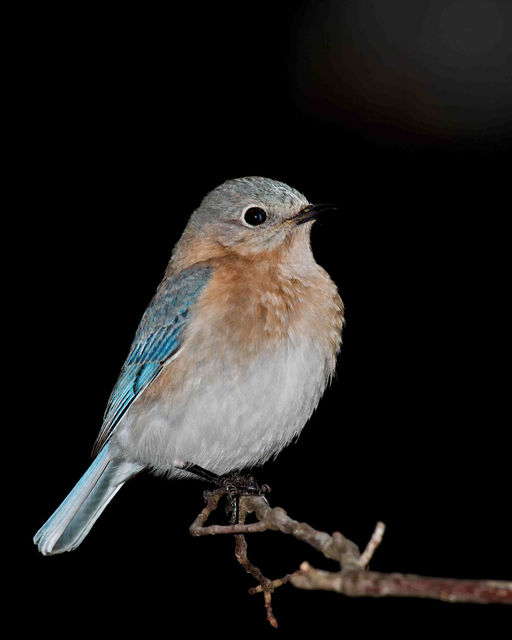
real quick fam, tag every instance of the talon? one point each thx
(238, 485)
(230, 487)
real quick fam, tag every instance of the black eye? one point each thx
(255, 216)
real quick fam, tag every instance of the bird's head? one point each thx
(250, 216)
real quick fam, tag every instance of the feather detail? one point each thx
(255, 360)
(157, 339)
(73, 520)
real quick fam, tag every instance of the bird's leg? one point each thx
(200, 472)
(233, 508)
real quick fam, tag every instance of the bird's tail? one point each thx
(73, 520)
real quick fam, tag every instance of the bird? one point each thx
(230, 358)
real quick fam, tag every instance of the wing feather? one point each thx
(158, 338)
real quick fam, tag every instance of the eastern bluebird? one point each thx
(230, 358)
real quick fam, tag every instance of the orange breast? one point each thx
(249, 307)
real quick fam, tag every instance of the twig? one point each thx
(212, 500)
(376, 584)
(276, 583)
(352, 579)
(372, 545)
(265, 585)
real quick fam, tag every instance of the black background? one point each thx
(124, 120)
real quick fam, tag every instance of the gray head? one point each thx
(250, 215)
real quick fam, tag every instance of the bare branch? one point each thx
(352, 579)
(375, 584)
(266, 585)
(372, 545)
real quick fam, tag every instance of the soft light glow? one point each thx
(438, 68)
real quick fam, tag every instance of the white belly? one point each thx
(229, 417)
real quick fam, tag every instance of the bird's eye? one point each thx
(254, 216)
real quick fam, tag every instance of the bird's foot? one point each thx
(233, 486)
(240, 485)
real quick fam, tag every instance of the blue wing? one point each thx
(158, 337)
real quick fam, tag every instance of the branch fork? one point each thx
(353, 577)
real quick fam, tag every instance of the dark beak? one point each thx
(311, 211)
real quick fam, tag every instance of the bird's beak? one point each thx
(311, 211)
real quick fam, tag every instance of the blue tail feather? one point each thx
(72, 521)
